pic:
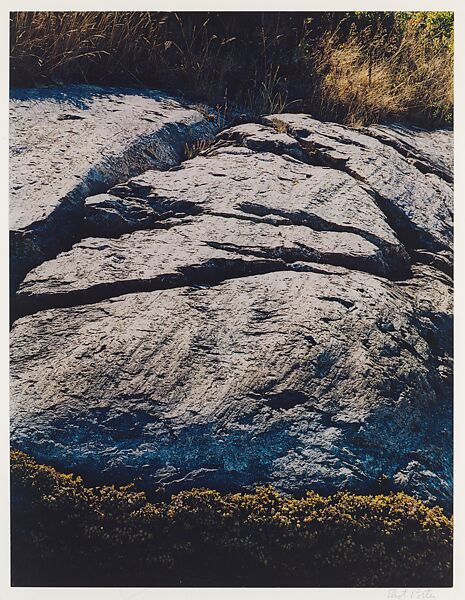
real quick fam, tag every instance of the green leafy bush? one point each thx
(64, 533)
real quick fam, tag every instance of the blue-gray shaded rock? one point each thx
(275, 310)
(302, 380)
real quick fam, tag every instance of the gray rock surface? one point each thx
(69, 143)
(262, 138)
(109, 216)
(204, 250)
(244, 213)
(261, 186)
(321, 380)
(429, 151)
(254, 315)
(419, 205)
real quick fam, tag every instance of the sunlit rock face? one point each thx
(67, 143)
(276, 309)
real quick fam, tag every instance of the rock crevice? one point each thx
(276, 309)
(110, 135)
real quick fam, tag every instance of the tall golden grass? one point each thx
(65, 46)
(263, 62)
(360, 83)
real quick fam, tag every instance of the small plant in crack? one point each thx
(220, 116)
(280, 126)
(204, 110)
(197, 148)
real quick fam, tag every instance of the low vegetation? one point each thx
(397, 65)
(356, 68)
(64, 533)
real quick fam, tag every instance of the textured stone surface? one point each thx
(201, 250)
(68, 143)
(318, 380)
(419, 205)
(429, 151)
(275, 310)
(260, 212)
(109, 216)
(235, 181)
(262, 138)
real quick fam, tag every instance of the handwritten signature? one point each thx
(408, 594)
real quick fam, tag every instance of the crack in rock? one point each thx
(203, 251)
(104, 143)
(402, 191)
(428, 151)
(275, 310)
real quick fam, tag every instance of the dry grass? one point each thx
(210, 56)
(262, 62)
(361, 82)
(360, 89)
(68, 44)
(197, 148)
(280, 126)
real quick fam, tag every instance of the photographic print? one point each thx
(231, 299)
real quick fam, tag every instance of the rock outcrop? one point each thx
(277, 309)
(417, 201)
(69, 143)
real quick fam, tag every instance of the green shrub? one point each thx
(64, 533)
